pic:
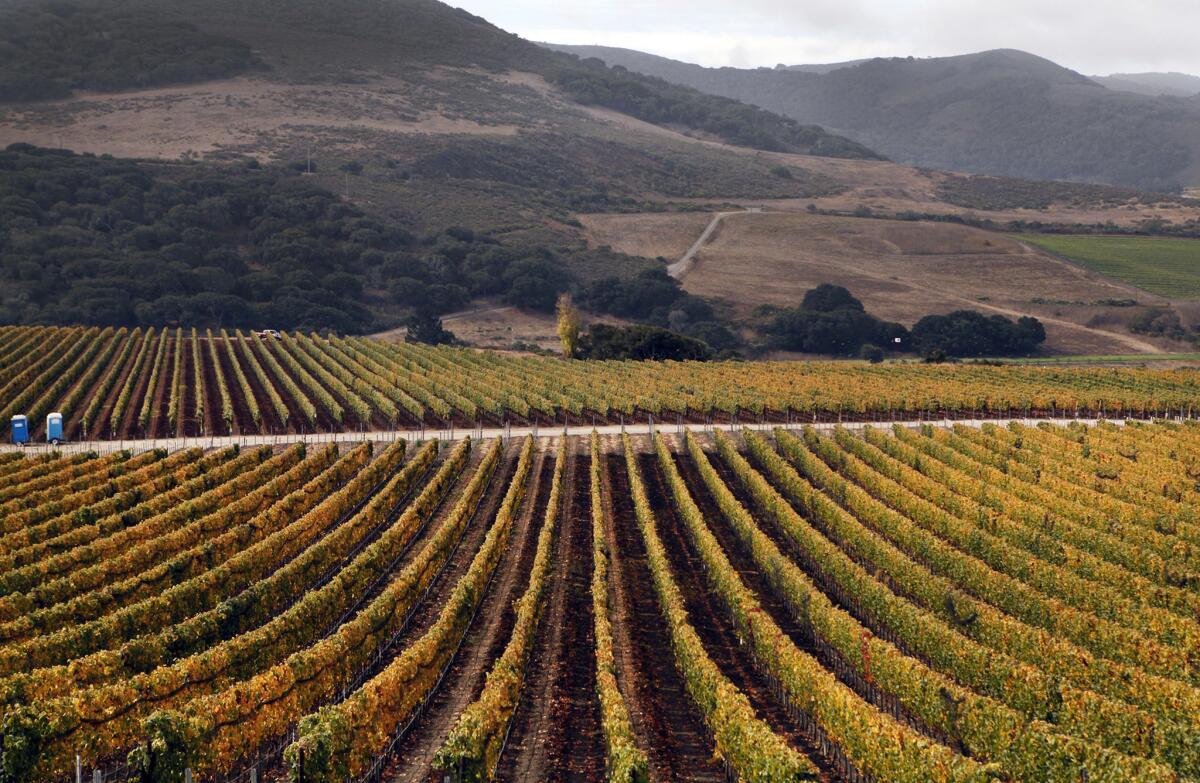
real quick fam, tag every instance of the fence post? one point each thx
(98, 776)
(78, 769)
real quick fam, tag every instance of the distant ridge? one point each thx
(1002, 112)
(1181, 85)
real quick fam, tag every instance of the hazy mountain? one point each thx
(1174, 83)
(820, 67)
(999, 112)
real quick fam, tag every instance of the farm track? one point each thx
(106, 410)
(212, 397)
(669, 725)
(129, 422)
(739, 556)
(484, 641)
(711, 621)
(158, 424)
(556, 733)
(187, 405)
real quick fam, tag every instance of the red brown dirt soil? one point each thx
(187, 407)
(270, 419)
(484, 641)
(556, 732)
(129, 423)
(669, 727)
(325, 421)
(160, 426)
(102, 424)
(212, 397)
(711, 622)
(243, 422)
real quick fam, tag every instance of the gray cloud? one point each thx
(1092, 36)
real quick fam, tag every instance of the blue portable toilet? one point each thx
(20, 429)
(54, 427)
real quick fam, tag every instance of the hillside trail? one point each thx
(685, 263)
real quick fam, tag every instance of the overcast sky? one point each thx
(1091, 36)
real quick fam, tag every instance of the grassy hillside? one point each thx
(113, 44)
(1001, 112)
(1164, 266)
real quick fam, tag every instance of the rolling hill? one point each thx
(345, 165)
(1181, 85)
(1000, 112)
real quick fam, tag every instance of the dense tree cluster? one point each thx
(640, 342)
(102, 241)
(655, 298)
(48, 49)
(831, 321)
(968, 333)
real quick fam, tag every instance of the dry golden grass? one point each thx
(653, 234)
(245, 114)
(901, 271)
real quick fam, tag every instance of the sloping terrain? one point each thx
(1173, 83)
(1000, 112)
(901, 271)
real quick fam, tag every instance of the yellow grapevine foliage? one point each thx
(122, 632)
(198, 381)
(272, 676)
(277, 404)
(52, 473)
(755, 752)
(118, 473)
(950, 624)
(918, 528)
(108, 381)
(341, 739)
(125, 398)
(281, 375)
(625, 761)
(474, 743)
(53, 379)
(239, 375)
(222, 383)
(876, 743)
(1024, 747)
(107, 720)
(89, 548)
(367, 366)
(147, 408)
(122, 505)
(298, 366)
(192, 548)
(1003, 544)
